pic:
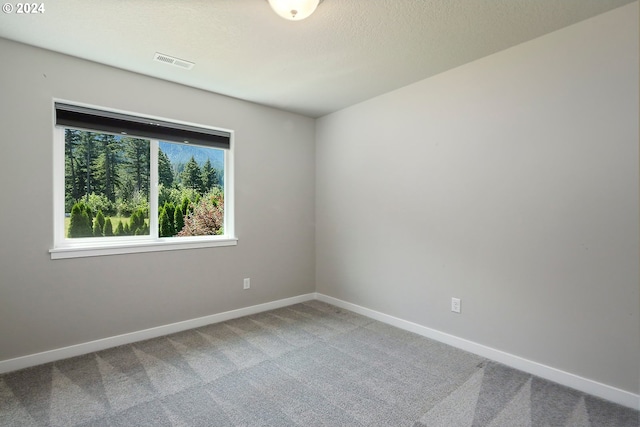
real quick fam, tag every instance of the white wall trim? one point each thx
(585, 385)
(102, 344)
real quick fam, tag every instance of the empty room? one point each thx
(320, 213)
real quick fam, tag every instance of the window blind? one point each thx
(110, 122)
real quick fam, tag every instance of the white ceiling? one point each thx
(346, 52)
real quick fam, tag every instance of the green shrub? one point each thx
(178, 220)
(80, 222)
(108, 228)
(126, 207)
(137, 224)
(119, 229)
(100, 202)
(164, 224)
(98, 224)
(185, 207)
(169, 227)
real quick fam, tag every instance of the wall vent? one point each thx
(166, 59)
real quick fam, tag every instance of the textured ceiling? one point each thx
(346, 52)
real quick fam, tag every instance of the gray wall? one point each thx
(511, 183)
(47, 304)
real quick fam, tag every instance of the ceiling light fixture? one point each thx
(294, 10)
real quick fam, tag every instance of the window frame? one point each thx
(64, 247)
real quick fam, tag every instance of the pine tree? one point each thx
(209, 177)
(78, 171)
(87, 140)
(138, 162)
(106, 165)
(220, 177)
(192, 175)
(71, 142)
(165, 171)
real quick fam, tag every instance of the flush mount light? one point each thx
(294, 10)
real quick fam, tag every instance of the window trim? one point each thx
(100, 246)
(130, 247)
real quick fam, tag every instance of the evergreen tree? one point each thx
(126, 229)
(171, 213)
(79, 157)
(75, 221)
(86, 220)
(209, 177)
(165, 171)
(119, 229)
(87, 139)
(138, 162)
(89, 213)
(97, 231)
(186, 203)
(108, 228)
(106, 165)
(164, 224)
(71, 142)
(220, 177)
(192, 175)
(178, 220)
(126, 189)
(98, 224)
(79, 225)
(137, 223)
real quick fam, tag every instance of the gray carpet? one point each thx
(310, 364)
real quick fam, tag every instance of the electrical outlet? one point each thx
(455, 305)
(247, 283)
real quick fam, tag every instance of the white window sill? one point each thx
(80, 251)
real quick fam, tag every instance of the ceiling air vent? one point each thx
(166, 59)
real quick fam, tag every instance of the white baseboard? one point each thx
(552, 374)
(585, 385)
(102, 344)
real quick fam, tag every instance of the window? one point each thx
(127, 183)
